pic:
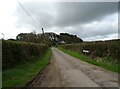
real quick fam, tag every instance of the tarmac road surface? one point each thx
(67, 71)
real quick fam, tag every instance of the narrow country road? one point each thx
(67, 71)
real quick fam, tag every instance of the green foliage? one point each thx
(102, 49)
(21, 74)
(49, 38)
(14, 53)
(69, 38)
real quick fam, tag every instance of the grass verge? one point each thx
(111, 67)
(20, 75)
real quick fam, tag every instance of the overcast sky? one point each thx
(88, 20)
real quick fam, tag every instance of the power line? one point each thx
(27, 13)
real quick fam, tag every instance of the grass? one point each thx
(106, 65)
(20, 75)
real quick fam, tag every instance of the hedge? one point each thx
(14, 53)
(107, 49)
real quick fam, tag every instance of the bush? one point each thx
(14, 53)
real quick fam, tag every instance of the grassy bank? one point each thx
(21, 74)
(106, 65)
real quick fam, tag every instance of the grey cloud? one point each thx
(40, 12)
(68, 16)
(83, 12)
(94, 29)
(68, 13)
(102, 37)
(91, 32)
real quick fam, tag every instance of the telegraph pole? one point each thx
(43, 36)
(42, 31)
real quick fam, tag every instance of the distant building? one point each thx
(62, 42)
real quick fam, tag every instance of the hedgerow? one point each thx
(14, 53)
(104, 49)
